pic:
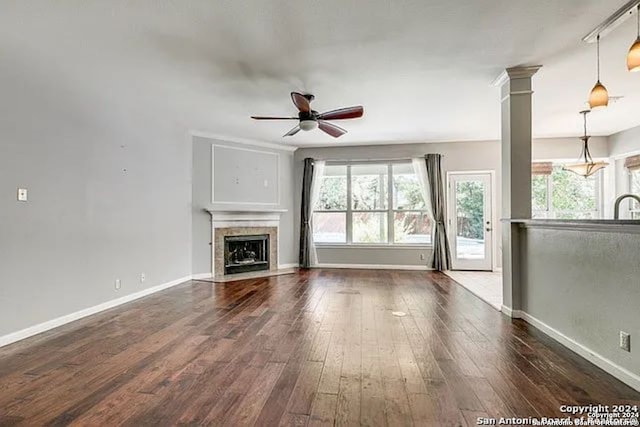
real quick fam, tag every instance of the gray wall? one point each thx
(621, 145)
(458, 156)
(245, 176)
(239, 161)
(108, 198)
(625, 142)
(586, 285)
(568, 148)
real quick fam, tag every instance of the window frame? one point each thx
(390, 211)
(551, 213)
(633, 213)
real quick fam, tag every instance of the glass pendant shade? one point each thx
(599, 97)
(586, 169)
(633, 57)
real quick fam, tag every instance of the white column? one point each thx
(516, 94)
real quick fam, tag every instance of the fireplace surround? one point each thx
(228, 225)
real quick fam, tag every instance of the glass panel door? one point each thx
(470, 221)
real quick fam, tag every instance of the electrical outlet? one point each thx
(422, 257)
(625, 341)
(118, 284)
(142, 277)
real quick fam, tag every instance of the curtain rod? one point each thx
(392, 159)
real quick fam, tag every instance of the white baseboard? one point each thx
(514, 314)
(374, 266)
(287, 266)
(624, 375)
(68, 318)
(201, 276)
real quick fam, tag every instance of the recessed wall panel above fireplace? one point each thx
(244, 176)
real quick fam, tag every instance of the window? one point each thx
(330, 217)
(634, 188)
(564, 195)
(371, 203)
(411, 222)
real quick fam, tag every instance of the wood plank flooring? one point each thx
(317, 348)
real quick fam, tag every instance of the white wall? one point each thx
(239, 178)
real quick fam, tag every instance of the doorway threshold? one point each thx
(486, 285)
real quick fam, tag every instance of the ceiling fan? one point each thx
(311, 119)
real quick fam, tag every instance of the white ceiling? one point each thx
(422, 69)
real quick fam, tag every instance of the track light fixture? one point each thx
(633, 57)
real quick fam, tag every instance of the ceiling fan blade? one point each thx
(292, 131)
(301, 102)
(273, 118)
(331, 129)
(343, 113)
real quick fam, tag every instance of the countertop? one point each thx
(610, 225)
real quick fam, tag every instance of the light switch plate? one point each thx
(22, 195)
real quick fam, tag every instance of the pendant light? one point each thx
(599, 97)
(585, 166)
(633, 57)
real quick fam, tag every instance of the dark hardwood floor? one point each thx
(314, 348)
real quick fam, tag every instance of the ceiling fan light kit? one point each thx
(310, 119)
(307, 125)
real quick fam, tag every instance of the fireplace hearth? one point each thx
(246, 253)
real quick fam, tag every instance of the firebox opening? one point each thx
(246, 253)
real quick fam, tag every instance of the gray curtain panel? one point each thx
(305, 214)
(441, 250)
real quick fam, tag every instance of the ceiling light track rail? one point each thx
(614, 21)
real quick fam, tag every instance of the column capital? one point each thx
(516, 73)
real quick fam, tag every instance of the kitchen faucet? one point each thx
(616, 208)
